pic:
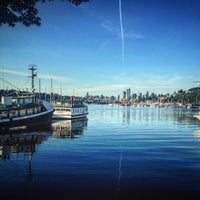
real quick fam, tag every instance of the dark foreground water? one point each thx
(118, 153)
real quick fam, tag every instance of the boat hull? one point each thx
(70, 112)
(59, 116)
(38, 119)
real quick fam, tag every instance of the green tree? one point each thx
(23, 11)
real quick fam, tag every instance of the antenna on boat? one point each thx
(33, 75)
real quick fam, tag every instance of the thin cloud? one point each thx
(110, 27)
(150, 82)
(105, 88)
(45, 76)
(132, 35)
(58, 78)
(122, 77)
(10, 71)
(163, 79)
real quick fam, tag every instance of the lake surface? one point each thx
(117, 153)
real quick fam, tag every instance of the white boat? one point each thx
(23, 110)
(72, 109)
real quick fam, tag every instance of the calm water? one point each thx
(118, 153)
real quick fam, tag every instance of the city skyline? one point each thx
(105, 47)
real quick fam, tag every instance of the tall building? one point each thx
(118, 98)
(147, 94)
(124, 94)
(128, 91)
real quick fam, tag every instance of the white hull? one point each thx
(63, 116)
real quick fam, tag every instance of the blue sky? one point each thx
(155, 47)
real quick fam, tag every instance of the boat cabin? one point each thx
(18, 106)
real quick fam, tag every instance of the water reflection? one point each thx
(197, 133)
(69, 128)
(156, 114)
(20, 144)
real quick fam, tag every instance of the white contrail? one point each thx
(121, 28)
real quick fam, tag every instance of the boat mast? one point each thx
(39, 88)
(32, 68)
(51, 95)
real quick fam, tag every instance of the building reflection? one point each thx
(69, 128)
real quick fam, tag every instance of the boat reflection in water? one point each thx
(20, 146)
(16, 143)
(69, 128)
(197, 133)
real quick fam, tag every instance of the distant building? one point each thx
(139, 96)
(128, 91)
(124, 94)
(147, 95)
(118, 98)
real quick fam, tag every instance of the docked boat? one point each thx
(72, 109)
(23, 110)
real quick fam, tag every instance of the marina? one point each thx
(117, 153)
(112, 112)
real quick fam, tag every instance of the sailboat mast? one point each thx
(51, 95)
(39, 88)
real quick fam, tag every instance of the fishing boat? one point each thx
(22, 110)
(71, 109)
